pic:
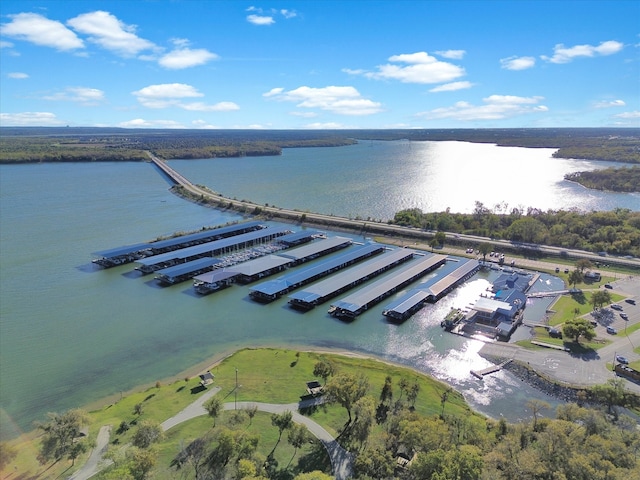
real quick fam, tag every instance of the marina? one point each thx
(185, 271)
(247, 272)
(210, 249)
(353, 305)
(401, 309)
(273, 289)
(131, 253)
(343, 281)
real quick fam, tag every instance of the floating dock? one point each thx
(353, 305)
(213, 281)
(131, 253)
(314, 250)
(185, 271)
(273, 289)
(253, 270)
(489, 370)
(343, 281)
(401, 309)
(209, 249)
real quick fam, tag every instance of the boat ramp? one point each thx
(131, 253)
(401, 309)
(352, 276)
(273, 289)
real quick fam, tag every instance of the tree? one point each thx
(148, 432)
(213, 406)
(346, 389)
(297, 437)
(60, 433)
(412, 393)
(386, 395)
(536, 406)
(600, 298)
(611, 393)
(315, 475)
(251, 412)
(324, 369)
(582, 265)
(138, 409)
(440, 238)
(283, 421)
(485, 248)
(7, 454)
(578, 327)
(141, 462)
(575, 277)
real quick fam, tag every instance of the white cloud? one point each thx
(325, 126)
(419, 67)
(628, 115)
(83, 95)
(186, 57)
(26, 119)
(340, 100)
(609, 103)
(203, 124)
(106, 30)
(562, 54)
(288, 13)
(141, 123)
(35, 28)
(170, 94)
(451, 87)
(452, 54)
(496, 107)
(260, 19)
(517, 63)
(17, 75)
(4, 43)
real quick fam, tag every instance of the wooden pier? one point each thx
(489, 370)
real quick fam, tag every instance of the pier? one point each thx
(353, 305)
(329, 288)
(489, 370)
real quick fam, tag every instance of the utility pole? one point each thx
(235, 403)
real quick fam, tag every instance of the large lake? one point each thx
(72, 334)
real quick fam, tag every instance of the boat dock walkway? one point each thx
(489, 370)
(343, 281)
(353, 305)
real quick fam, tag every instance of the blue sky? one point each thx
(320, 64)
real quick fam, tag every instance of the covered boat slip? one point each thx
(274, 289)
(335, 285)
(212, 281)
(356, 303)
(210, 249)
(131, 253)
(184, 271)
(313, 250)
(260, 267)
(298, 238)
(415, 299)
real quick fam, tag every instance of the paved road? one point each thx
(341, 460)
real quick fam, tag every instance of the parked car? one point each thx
(566, 270)
(557, 269)
(615, 306)
(607, 285)
(630, 301)
(611, 330)
(624, 316)
(621, 359)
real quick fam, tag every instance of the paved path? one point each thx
(341, 460)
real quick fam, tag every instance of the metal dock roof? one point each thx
(376, 291)
(296, 237)
(321, 290)
(259, 265)
(315, 249)
(210, 233)
(186, 268)
(215, 276)
(123, 250)
(453, 278)
(211, 247)
(282, 284)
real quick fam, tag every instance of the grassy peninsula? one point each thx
(626, 180)
(378, 412)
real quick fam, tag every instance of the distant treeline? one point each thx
(616, 232)
(71, 144)
(612, 179)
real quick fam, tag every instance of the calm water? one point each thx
(377, 179)
(71, 334)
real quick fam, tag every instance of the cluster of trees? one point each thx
(616, 232)
(612, 179)
(580, 443)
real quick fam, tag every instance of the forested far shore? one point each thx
(86, 144)
(616, 232)
(612, 179)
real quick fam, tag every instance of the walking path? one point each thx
(341, 460)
